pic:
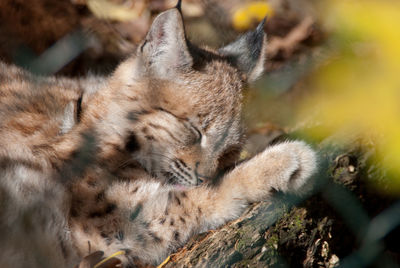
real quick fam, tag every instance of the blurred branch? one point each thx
(287, 45)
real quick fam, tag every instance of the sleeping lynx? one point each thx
(131, 162)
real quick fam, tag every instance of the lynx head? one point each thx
(187, 120)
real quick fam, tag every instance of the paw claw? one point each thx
(298, 164)
(307, 159)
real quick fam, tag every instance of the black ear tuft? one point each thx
(179, 6)
(164, 51)
(247, 53)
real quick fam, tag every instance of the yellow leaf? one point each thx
(247, 15)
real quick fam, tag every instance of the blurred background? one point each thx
(333, 78)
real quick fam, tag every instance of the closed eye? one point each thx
(197, 134)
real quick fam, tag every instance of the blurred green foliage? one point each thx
(357, 88)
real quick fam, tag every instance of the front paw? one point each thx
(289, 165)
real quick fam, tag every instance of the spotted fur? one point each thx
(136, 161)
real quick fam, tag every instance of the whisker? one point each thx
(162, 156)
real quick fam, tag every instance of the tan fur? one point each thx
(137, 161)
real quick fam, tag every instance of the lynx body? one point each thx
(139, 161)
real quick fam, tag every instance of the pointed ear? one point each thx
(165, 51)
(247, 53)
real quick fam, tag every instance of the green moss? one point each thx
(273, 240)
(298, 221)
(244, 239)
